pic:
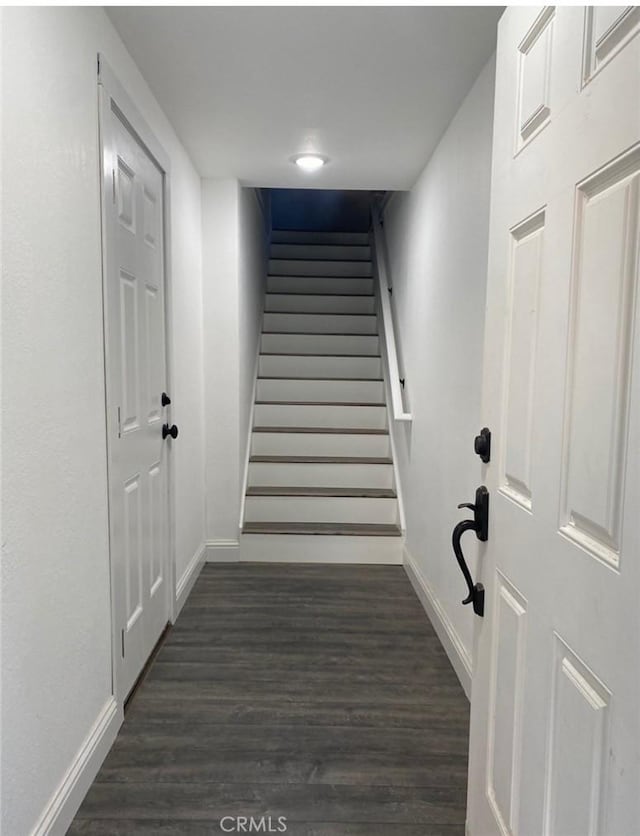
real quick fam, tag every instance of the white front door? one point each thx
(136, 381)
(555, 728)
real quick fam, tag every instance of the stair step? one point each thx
(319, 444)
(324, 430)
(302, 236)
(347, 529)
(317, 267)
(320, 285)
(329, 344)
(319, 403)
(319, 509)
(323, 303)
(322, 252)
(318, 390)
(303, 490)
(334, 356)
(322, 459)
(319, 323)
(320, 474)
(327, 415)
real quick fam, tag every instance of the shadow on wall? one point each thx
(320, 209)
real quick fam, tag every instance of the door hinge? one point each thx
(113, 181)
(123, 643)
(119, 425)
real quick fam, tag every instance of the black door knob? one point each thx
(169, 430)
(482, 444)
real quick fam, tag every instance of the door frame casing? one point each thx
(111, 90)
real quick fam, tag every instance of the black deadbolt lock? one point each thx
(165, 400)
(482, 444)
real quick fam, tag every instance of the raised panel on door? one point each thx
(520, 371)
(505, 718)
(576, 752)
(133, 550)
(157, 538)
(534, 68)
(607, 30)
(602, 307)
(129, 341)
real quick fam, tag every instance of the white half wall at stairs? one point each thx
(234, 273)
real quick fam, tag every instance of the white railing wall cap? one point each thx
(398, 410)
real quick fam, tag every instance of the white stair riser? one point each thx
(319, 444)
(309, 366)
(296, 236)
(314, 323)
(316, 475)
(308, 303)
(320, 251)
(320, 509)
(320, 344)
(287, 415)
(345, 391)
(311, 267)
(318, 284)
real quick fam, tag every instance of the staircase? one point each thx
(320, 457)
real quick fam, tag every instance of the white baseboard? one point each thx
(189, 577)
(451, 641)
(65, 802)
(223, 551)
(310, 548)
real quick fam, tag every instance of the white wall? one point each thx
(221, 361)
(252, 280)
(437, 236)
(55, 621)
(234, 252)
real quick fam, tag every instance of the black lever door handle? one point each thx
(169, 430)
(476, 591)
(479, 524)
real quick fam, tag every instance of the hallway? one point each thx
(314, 692)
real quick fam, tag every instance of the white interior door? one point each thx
(136, 380)
(555, 731)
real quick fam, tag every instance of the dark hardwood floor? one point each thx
(317, 693)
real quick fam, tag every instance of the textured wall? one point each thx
(56, 632)
(437, 238)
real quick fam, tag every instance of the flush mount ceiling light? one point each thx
(310, 162)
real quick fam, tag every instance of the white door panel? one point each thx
(555, 731)
(136, 378)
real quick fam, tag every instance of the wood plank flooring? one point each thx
(318, 693)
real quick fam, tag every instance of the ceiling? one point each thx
(373, 88)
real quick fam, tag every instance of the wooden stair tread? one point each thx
(320, 334)
(318, 403)
(322, 313)
(332, 379)
(297, 354)
(312, 276)
(278, 490)
(323, 459)
(324, 430)
(315, 258)
(306, 295)
(349, 529)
